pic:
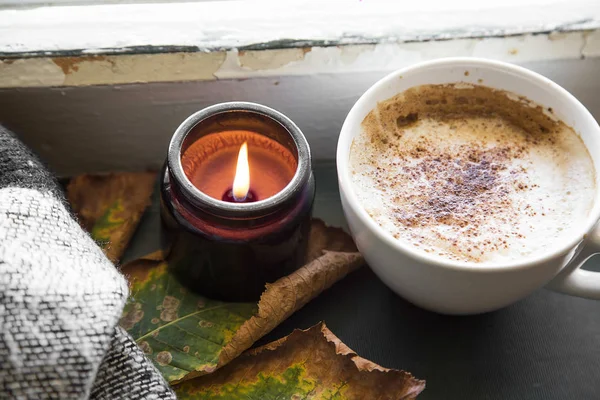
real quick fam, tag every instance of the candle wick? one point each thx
(229, 196)
(239, 199)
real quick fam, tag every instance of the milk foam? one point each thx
(469, 175)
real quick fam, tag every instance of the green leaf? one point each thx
(187, 335)
(177, 329)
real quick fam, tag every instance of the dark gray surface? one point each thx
(544, 347)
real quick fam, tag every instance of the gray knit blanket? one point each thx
(60, 298)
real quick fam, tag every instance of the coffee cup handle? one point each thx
(575, 281)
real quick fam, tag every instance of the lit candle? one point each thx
(240, 191)
(237, 193)
(212, 164)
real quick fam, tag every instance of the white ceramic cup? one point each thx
(453, 287)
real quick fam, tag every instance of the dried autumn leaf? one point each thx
(287, 295)
(323, 237)
(312, 364)
(188, 335)
(110, 206)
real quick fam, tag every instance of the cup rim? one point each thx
(346, 186)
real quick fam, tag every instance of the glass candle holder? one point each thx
(226, 246)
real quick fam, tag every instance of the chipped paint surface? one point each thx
(270, 59)
(234, 64)
(30, 72)
(199, 41)
(103, 70)
(591, 46)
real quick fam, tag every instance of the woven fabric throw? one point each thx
(60, 298)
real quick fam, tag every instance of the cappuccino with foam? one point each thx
(471, 173)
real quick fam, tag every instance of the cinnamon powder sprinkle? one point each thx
(448, 167)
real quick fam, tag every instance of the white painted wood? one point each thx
(104, 128)
(234, 64)
(272, 24)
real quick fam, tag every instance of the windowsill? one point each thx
(133, 43)
(102, 88)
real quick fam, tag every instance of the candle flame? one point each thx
(241, 182)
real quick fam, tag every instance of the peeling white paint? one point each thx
(30, 72)
(270, 59)
(591, 46)
(214, 34)
(106, 70)
(233, 64)
(144, 68)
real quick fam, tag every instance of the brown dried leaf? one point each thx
(110, 206)
(323, 237)
(311, 364)
(289, 294)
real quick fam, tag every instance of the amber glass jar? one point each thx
(225, 249)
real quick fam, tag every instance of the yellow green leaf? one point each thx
(110, 206)
(312, 364)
